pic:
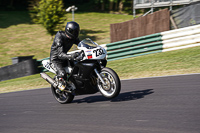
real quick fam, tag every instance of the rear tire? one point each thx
(62, 97)
(113, 84)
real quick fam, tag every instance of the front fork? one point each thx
(99, 76)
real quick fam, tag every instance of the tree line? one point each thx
(83, 5)
(50, 13)
(113, 5)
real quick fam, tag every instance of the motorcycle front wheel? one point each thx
(62, 97)
(113, 85)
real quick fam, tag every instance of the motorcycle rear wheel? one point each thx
(113, 84)
(62, 97)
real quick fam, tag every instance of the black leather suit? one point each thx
(58, 55)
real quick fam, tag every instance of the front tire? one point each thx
(113, 84)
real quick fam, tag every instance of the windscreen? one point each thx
(87, 43)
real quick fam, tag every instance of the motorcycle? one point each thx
(87, 74)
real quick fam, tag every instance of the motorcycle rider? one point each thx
(62, 43)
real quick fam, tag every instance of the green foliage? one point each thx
(49, 13)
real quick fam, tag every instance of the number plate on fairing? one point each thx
(98, 53)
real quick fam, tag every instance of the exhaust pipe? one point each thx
(49, 79)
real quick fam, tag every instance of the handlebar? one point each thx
(81, 56)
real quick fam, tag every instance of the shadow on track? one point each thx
(126, 96)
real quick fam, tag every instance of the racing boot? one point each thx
(61, 84)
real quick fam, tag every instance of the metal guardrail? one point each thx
(160, 42)
(134, 47)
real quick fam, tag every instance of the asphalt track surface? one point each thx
(149, 105)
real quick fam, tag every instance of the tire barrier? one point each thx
(21, 58)
(24, 68)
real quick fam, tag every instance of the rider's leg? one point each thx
(60, 71)
(61, 74)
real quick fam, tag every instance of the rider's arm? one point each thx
(62, 55)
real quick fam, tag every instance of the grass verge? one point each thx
(161, 64)
(19, 37)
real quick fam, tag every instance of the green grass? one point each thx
(24, 83)
(161, 64)
(21, 38)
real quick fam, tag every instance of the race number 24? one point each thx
(98, 52)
